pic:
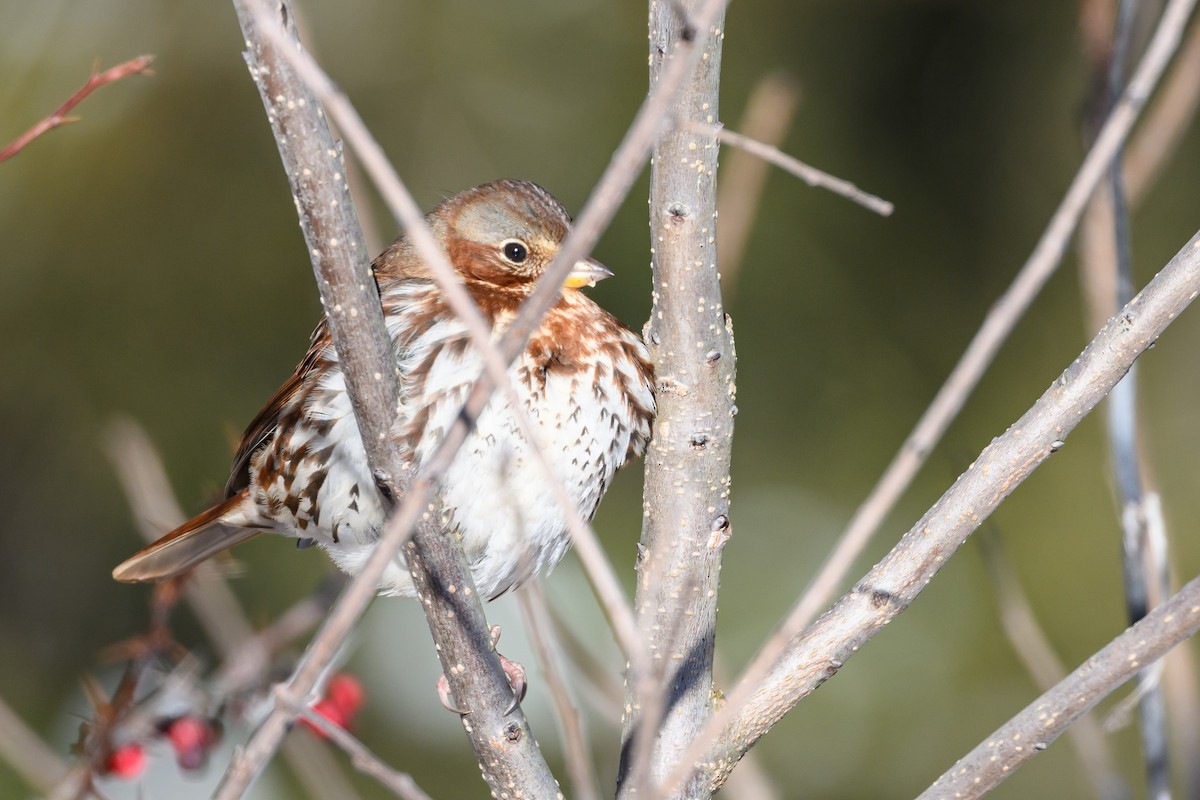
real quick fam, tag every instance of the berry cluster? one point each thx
(191, 737)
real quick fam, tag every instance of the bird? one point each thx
(584, 378)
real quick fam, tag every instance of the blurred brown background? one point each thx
(150, 265)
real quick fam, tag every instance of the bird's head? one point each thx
(502, 235)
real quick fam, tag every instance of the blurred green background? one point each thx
(151, 266)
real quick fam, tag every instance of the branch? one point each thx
(1167, 120)
(1033, 648)
(966, 374)
(686, 494)
(891, 586)
(1044, 720)
(245, 655)
(612, 188)
(809, 174)
(135, 66)
(30, 758)
(400, 784)
(535, 612)
(316, 172)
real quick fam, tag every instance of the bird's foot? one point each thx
(512, 670)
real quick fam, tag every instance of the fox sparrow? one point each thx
(585, 380)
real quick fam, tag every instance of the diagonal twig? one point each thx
(1045, 719)
(626, 162)
(1033, 648)
(400, 784)
(809, 174)
(966, 374)
(535, 610)
(889, 588)
(31, 758)
(134, 66)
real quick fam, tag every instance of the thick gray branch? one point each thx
(686, 501)
(891, 586)
(316, 172)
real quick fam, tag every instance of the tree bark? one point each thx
(686, 502)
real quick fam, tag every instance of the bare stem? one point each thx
(400, 784)
(966, 374)
(536, 613)
(809, 174)
(813, 657)
(1033, 648)
(134, 66)
(1138, 557)
(686, 495)
(1045, 719)
(31, 758)
(316, 172)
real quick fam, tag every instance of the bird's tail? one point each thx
(200, 538)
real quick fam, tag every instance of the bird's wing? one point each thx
(266, 421)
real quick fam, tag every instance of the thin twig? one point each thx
(603, 690)
(599, 569)
(24, 751)
(1033, 648)
(399, 783)
(134, 66)
(245, 655)
(536, 612)
(1044, 720)
(767, 117)
(317, 770)
(889, 588)
(1166, 121)
(809, 174)
(599, 210)
(966, 374)
(504, 744)
(250, 664)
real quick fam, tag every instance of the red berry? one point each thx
(346, 692)
(126, 762)
(191, 737)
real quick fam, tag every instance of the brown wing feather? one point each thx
(201, 537)
(266, 421)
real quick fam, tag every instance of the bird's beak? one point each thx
(586, 273)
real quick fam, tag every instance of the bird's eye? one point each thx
(515, 252)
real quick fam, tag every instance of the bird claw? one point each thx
(443, 692)
(516, 679)
(512, 670)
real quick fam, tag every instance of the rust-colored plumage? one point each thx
(585, 380)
